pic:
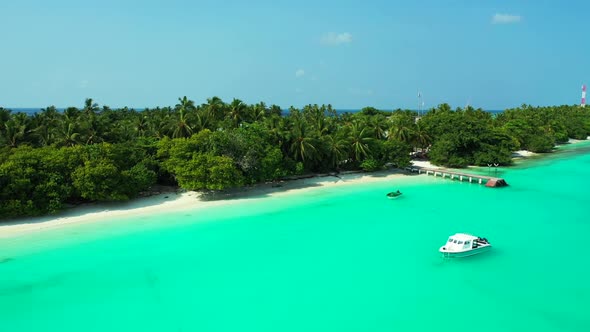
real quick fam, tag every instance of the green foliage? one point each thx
(272, 165)
(540, 143)
(519, 129)
(184, 148)
(99, 180)
(496, 146)
(206, 171)
(35, 181)
(299, 168)
(246, 146)
(372, 111)
(492, 155)
(102, 154)
(371, 165)
(538, 129)
(444, 152)
(139, 178)
(113, 172)
(395, 152)
(471, 137)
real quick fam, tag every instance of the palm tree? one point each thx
(205, 119)
(275, 110)
(185, 104)
(216, 107)
(258, 112)
(400, 130)
(158, 121)
(443, 108)
(303, 143)
(124, 131)
(50, 113)
(360, 138)
(276, 125)
(90, 108)
(181, 126)
(237, 112)
(15, 129)
(4, 115)
(92, 129)
(420, 138)
(378, 125)
(71, 113)
(336, 147)
(67, 134)
(141, 125)
(44, 126)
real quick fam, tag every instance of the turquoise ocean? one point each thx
(338, 258)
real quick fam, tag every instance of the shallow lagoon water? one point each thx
(329, 259)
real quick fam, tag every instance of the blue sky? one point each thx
(492, 54)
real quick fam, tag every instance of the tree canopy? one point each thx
(94, 153)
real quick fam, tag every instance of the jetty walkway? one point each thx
(489, 181)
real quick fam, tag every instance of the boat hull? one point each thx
(466, 253)
(393, 195)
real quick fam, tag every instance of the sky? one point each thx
(492, 54)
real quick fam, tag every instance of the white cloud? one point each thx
(299, 73)
(334, 39)
(506, 19)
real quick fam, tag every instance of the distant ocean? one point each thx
(33, 110)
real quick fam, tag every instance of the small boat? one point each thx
(462, 245)
(394, 194)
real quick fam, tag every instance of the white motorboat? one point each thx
(462, 245)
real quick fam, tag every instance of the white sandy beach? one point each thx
(572, 141)
(527, 154)
(194, 200)
(182, 201)
(523, 154)
(425, 164)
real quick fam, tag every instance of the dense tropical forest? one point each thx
(93, 153)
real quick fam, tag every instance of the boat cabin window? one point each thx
(450, 239)
(467, 242)
(460, 242)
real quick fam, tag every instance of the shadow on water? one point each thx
(152, 281)
(562, 320)
(6, 260)
(481, 257)
(91, 208)
(253, 192)
(312, 181)
(32, 286)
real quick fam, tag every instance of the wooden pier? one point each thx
(489, 181)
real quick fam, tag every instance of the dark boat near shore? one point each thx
(394, 194)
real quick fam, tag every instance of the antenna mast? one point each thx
(420, 103)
